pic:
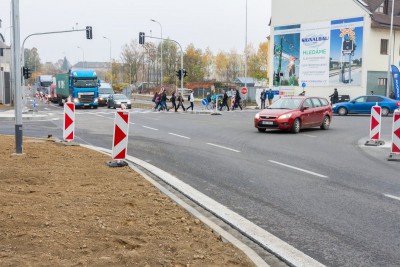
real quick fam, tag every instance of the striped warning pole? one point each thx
(69, 121)
(120, 139)
(375, 127)
(395, 151)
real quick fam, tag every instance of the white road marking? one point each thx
(46, 108)
(149, 128)
(179, 135)
(234, 150)
(392, 197)
(309, 135)
(132, 123)
(299, 169)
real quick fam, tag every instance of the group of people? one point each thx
(266, 95)
(235, 100)
(160, 99)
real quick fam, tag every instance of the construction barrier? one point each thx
(69, 121)
(121, 131)
(395, 151)
(375, 127)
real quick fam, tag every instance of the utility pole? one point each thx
(16, 83)
(390, 53)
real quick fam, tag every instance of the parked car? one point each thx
(116, 100)
(105, 91)
(363, 105)
(295, 113)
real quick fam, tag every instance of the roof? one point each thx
(92, 65)
(380, 20)
(245, 80)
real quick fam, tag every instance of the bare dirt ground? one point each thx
(63, 206)
(5, 107)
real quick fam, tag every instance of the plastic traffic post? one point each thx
(69, 121)
(395, 151)
(375, 127)
(120, 139)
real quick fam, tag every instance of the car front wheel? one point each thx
(296, 126)
(326, 123)
(342, 111)
(261, 130)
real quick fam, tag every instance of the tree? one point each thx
(193, 64)
(171, 61)
(65, 65)
(32, 59)
(131, 56)
(208, 62)
(233, 67)
(221, 64)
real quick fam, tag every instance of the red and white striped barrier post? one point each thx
(395, 151)
(375, 127)
(69, 121)
(120, 139)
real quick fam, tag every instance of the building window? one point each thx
(382, 81)
(384, 46)
(383, 8)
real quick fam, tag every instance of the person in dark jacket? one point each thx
(180, 102)
(335, 96)
(238, 99)
(173, 99)
(163, 101)
(392, 96)
(263, 96)
(224, 101)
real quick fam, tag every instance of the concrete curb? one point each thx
(253, 256)
(263, 238)
(11, 117)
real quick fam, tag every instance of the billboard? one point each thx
(325, 53)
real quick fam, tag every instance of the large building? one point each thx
(327, 44)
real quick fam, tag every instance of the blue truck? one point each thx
(79, 86)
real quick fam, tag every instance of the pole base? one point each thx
(117, 163)
(394, 157)
(374, 143)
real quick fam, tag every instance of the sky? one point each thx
(217, 24)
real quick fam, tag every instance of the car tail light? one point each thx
(398, 104)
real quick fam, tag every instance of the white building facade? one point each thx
(327, 44)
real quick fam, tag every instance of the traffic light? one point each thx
(89, 34)
(179, 74)
(26, 72)
(277, 78)
(141, 37)
(184, 73)
(348, 46)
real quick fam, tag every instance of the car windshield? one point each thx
(120, 97)
(84, 83)
(106, 91)
(286, 103)
(46, 84)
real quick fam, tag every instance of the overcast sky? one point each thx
(217, 24)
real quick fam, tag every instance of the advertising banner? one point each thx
(324, 53)
(396, 82)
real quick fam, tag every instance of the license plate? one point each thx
(86, 104)
(267, 122)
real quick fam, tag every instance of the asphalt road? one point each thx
(320, 191)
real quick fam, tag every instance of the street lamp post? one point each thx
(245, 60)
(83, 56)
(161, 50)
(390, 53)
(111, 79)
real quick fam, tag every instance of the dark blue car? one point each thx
(363, 105)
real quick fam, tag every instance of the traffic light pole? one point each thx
(181, 55)
(16, 82)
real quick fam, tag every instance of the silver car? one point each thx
(117, 100)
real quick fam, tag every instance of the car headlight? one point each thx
(95, 100)
(334, 106)
(257, 116)
(118, 102)
(128, 102)
(285, 116)
(100, 98)
(76, 100)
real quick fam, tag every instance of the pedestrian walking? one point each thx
(191, 100)
(392, 96)
(262, 97)
(163, 100)
(335, 96)
(156, 100)
(209, 103)
(238, 99)
(173, 101)
(270, 96)
(224, 101)
(302, 93)
(180, 102)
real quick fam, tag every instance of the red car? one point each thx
(295, 113)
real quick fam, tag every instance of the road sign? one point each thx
(244, 90)
(303, 85)
(69, 121)
(120, 139)
(204, 102)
